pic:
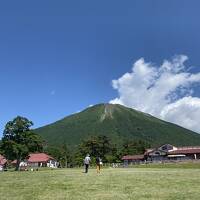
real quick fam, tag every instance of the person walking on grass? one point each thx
(98, 164)
(87, 162)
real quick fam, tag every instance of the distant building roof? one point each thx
(173, 151)
(39, 157)
(185, 151)
(3, 161)
(148, 151)
(188, 147)
(133, 157)
(176, 150)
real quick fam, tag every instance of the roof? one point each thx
(148, 151)
(188, 147)
(185, 151)
(178, 150)
(133, 157)
(14, 162)
(3, 161)
(39, 157)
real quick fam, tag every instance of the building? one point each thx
(169, 152)
(3, 162)
(36, 160)
(133, 159)
(166, 152)
(41, 160)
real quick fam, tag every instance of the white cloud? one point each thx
(163, 91)
(185, 112)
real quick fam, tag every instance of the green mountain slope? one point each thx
(119, 123)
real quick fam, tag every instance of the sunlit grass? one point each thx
(128, 183)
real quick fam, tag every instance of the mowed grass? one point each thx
(117, 184)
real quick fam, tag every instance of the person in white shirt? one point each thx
(87, 162)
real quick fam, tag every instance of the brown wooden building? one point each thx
(166, 152)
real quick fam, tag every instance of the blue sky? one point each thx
(58, 57)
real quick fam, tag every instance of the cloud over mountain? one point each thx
(165, 91)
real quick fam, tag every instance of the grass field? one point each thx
(129, 183)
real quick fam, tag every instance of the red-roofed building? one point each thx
(188, 152)
(170, 152)
(165, 152)
(38, 160)
(3, 162)
(133, 159)
(41, 160)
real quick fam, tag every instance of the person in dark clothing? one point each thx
(98, 164)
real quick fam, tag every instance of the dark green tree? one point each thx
(66, 156)
(60, 153)
(134, 147)
(18, 140)
(96, 146)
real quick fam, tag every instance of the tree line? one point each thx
(19, 140)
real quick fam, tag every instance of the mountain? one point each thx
(119, 123)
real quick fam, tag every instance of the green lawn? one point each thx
(130, 183)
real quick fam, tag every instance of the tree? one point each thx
(60, 153)
(18, 140)
(96, 146)
(134, 147)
